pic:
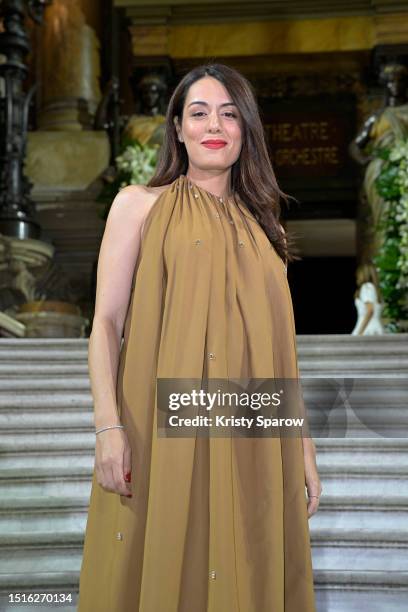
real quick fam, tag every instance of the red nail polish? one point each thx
(128, 477)
(129, 495)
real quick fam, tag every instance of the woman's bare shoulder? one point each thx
(140, 198)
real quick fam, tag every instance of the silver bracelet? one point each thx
(111, 427)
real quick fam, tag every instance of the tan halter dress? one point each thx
(214, 524)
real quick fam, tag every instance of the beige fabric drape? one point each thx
(214, 524)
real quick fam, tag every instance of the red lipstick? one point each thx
(214, 143)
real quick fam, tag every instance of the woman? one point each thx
(368, 306)
(197, 524)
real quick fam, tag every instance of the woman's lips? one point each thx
(214, 145)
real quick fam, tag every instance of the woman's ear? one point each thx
(176, 123)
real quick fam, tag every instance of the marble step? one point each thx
(38, 371)
(325, 353)
(73, 484)
(45, 473)
(360, 520)
(15, 369)
(356, 569)
(362, 501)
(388, 562)
(47, 460)
(358, 502)
(40, 504)
(35, 523)
(326, 342)
(23, 383)
(18, 422)
(341, 596)
(38, 446)
(54, 442)
(391, 368)
(330, 466)
(69, 529)
(43, 348)
(362, 445)
(359, 389)
(372, 531)
(31, 527)
(347, 491)
(363, 460)
(52, 559)
(371, 550)
(370, 502)
(37, 504)
(47, 441)
(307, 341)
(41, 354)
(52, 400)
(396, 486)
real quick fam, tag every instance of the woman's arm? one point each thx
(369, 311)
(117, 258)
(312, 479)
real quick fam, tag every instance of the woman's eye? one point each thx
(227, 114)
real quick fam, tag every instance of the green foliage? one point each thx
(386, 183)
(391, 260)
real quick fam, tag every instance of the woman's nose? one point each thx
(213, 122)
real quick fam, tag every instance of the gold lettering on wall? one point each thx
(308, 156)
(302, 147)
(305, 131)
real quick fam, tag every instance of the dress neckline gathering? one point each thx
(192, 185)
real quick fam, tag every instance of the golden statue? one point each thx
(148, 126)
(380, 130)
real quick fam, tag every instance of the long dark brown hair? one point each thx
(252, 175)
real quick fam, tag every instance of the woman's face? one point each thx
(210, 114)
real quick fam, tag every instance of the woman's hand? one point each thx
(113, 461)
(312, 480)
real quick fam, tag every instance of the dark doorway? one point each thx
(323, 294)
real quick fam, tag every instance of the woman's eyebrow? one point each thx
(206, 103)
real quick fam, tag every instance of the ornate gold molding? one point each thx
(269, 37)
(254, 38)
(209, 11)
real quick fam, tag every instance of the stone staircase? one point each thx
(359, 535)
(46, 462)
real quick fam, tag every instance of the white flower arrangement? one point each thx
(138, 163)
